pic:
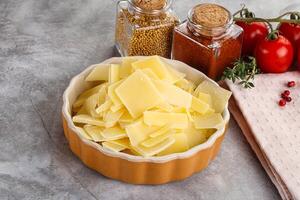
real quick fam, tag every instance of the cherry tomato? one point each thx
(253, 33)
(298, 57)
(274, 55)
(291, 32)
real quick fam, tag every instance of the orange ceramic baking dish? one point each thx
(137, 169)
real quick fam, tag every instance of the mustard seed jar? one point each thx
(209, 40)
(145, 27)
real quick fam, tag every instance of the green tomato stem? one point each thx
(249, 20)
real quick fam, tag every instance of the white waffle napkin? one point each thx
(272, 131)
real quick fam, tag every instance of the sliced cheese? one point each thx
(116, 108)
(81, 99)
(208, 121)
(95, 132)
(156, 140)
(155, 64)
(165, 107)
(150, 73)
(113, 147)
(139, 131)
(175, 120)
(179, 110)
(163, 130)
(219, 95)
(93, 101)
(194, 136)
(188, 113)
(122, 142)
(175, 75)
(180, 145)
(150, 151)
(123, 125)
(104, 107)
(126, 117)
(113, 73)
(173, 95)
(133, 152)
(210, 110)
(205, 97)
(138, 94)
(86, 119)
(83, 133)
(126, 67)
(117, 104)
(148, 108)
(199, 106)
(114, 133)
(111, 118)
(186, 85)
(99, 73)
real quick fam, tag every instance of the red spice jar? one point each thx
(209, 40)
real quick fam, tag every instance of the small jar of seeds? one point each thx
(145, 27)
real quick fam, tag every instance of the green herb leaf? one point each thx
(243, 70)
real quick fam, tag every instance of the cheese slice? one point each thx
(126, 117)
(113, 73)
(209, 121)
(83, 133)
(175, 120)
(117, 104)
(94, 132)
(150, 151)
(205, 97)
(86, 119)
(173, 95)
(138, 94)
(113, 147)
(186, 85)
(93, 101)
(179, 110)
(114, 133)
(219, 95)
(116, 108)
(163, 130)
(156, 140)
(126, 67)
(199, 106)
(139, 131)
(180, 145)
(174, 75)
(111, 118)
(148, 72)
(188, 113)
(155, 64)
(210, 111)
(123, 125)
(81, 99)
(165, 107)
(104, 107)
(194, 136)
(122, 142)
(99, 73)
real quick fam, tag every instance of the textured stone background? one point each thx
(43, 43)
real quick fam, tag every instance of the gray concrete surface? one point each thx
(43, 43)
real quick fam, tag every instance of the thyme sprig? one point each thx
(243, 71)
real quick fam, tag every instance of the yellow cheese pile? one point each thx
(145, 107)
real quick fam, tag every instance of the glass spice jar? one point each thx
(145, 27)
(209, 40)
